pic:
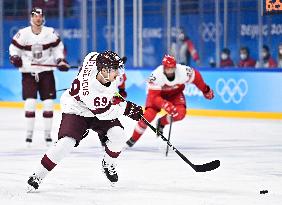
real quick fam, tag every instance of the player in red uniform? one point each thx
(166, 85)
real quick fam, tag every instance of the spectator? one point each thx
(225, 60)
(245, 58)
(280, 56)
(268, 61)
(212, 62)
(186, 49)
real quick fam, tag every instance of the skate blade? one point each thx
(112, 184)
(28, 144)
(48, 144)
(30, 189)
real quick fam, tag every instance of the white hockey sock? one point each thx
(29, 107)
(56, 153)
(47, 116)
(116, 138)
(109, 159)
(30, 125)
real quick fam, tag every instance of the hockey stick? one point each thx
(52, 65)
(61, 90)
(169, 132)
(198, 168)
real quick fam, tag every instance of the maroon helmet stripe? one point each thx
(111, 153)
(47, 163)
(29, 114)
(48, 114)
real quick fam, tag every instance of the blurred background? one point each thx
(214, 36)
(144, 30)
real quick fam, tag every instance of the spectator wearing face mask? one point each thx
(245, 59)
(225, 60)
(268, 61)
(280, 56)
(186, 50)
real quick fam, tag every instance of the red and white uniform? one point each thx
(43, 48)
(121, 81)
(161, 88)
(167, 94)
(88, 97)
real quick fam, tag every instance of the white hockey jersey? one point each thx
(159, 81)
(43, 48)
(88, 97)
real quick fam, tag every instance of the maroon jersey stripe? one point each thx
(28, 47)
(98, 110)
(53, 44)
(101, 110)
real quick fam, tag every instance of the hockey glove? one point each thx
(170, 108)
(208, 93)
(133, 111)
(124, 59)
(122, 92)
(116, 100)
(16, 61)
(62, 65)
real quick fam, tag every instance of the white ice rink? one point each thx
(250, 152)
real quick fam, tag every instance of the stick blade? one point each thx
(208, 166)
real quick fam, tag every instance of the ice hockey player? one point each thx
(166, 85)
(37, 44)
(121, 90)
(87, 105)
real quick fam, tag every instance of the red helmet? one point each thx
(169, 62)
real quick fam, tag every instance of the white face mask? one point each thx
(224, 56)
(243, 56)
(181, 36)
(280, 51)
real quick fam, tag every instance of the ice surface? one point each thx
(250, 152)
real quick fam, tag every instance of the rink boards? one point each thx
(238, 93)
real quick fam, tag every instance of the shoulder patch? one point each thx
(152, 78)
(17, 36)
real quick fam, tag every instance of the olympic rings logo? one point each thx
(208, 31)
(232, 90)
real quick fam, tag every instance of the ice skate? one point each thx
(48, 138)
(130, 142)
(33, 183)
(103, 139)
(109, 169)
(159, 128)
(28, 139)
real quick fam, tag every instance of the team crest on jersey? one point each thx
(189, 71)
(18, 35)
